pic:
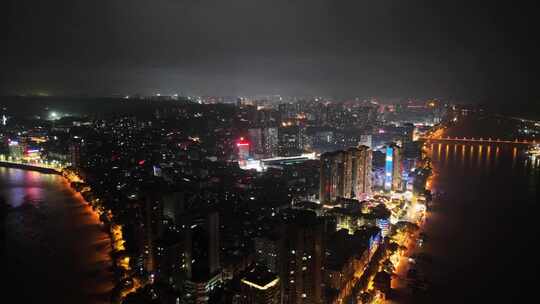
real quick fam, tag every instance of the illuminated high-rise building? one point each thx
(361, 171)
(260, 286)
(331, 177)
(152, 229)
(287, 111)
(75, 154)
(264, 142)
(290, 140)
(393, 168)
(256, 138)
(303, 259)
(16, 149)
(202, 250)
(270, 142)
(243, 147)
(408, 133)
(268, 251)
(345, 174)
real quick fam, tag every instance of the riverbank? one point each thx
(30, 168)
(84, 195)
(406, 275)
(124, 282)
(58, 251)
(407, 238)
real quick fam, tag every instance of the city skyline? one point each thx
(269, 151)
(254, 201)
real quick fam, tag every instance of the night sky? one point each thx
(455, 49)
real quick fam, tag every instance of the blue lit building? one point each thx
(393, 168)
(388, 169)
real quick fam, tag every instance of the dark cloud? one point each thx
(340, 47)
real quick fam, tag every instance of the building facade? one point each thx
(393, 168)
(345, 174)
(303, 260)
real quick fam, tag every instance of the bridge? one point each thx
(481, 140)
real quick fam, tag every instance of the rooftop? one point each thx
(260, 278)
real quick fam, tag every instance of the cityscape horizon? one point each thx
(269, 152)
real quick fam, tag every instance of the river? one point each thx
(55, 249)
(482, 232)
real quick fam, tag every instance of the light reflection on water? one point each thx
(57, 249)
(483, 215)
(478, 156)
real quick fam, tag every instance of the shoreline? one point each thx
(29, 167)
(113, 231)
(68, 183)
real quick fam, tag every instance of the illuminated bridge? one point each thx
(481, 140)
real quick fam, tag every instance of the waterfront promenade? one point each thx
(42, 168)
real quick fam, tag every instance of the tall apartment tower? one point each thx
(303, 258)
(201, 256)
(290, 141)
(74, 150)
(268, 251)
(331, 176)
(361, 171)
(203, 236)
(256, 138)
(264, 142)
(270, 143)
(345, 174)
(243, 148)
(393, 168)
(153, 228)
(212, 227)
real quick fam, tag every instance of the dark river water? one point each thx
(483, 231)
(55, 250)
